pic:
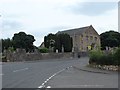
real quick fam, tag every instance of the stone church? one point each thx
(84, 38)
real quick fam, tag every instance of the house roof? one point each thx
(42, 44)
(75, 31)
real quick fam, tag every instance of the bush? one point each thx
(11, 49)
(100, 58)
(117, 57)
(95, 56)
(44, 50)
(107, 59)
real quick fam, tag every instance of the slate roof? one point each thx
(75, 31)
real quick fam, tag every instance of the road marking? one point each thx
(43, 84)
(48, 86)
(20, 70)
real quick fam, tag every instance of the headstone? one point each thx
(62, 49)
(107, 48)
(72, 49)
(56, 50)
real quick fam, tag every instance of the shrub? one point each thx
(44, 50)
(95, 56)
(11, 49)
(107, 59)
(100, 58)
(117, 57)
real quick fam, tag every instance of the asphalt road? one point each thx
(32, 74)
(75, 78)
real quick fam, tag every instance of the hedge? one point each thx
(44, 50)
(100, 58)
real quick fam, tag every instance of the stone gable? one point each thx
(84, 39)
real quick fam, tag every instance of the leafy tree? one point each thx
(117, 57)
(65, 41)
(23, 41)
(49, 40)
(6, 43)
(57, 41)
(110, 39)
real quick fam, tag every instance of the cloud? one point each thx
(91, 8)
(41, 17)
(11, 25)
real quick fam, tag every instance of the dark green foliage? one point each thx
(6, 43)
(44, 50)
(95, 56)
(23, 41)
(57, 41)
(110, 39)
(65, 41)
(11, 49)
(106, 60)
(49, 40)
(19, 40)
(117, 56)
(101, 58)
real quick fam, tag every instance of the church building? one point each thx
(84, 38)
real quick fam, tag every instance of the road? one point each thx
(75, 78)
(31, 74)
(54, 73)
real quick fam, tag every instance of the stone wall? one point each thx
(18, 55)
(21, 55)
(56, 55)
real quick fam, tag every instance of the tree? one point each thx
(23, 41)
(49, 40)
(65, 41)
(110, 39)
(6, 43)
(57, 41)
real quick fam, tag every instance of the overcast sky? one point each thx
(41, 17)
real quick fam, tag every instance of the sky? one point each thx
(41, 17)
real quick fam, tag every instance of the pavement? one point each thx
(81, 76)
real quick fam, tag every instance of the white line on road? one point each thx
(20, 70)
(48, 86)
(43, 84)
